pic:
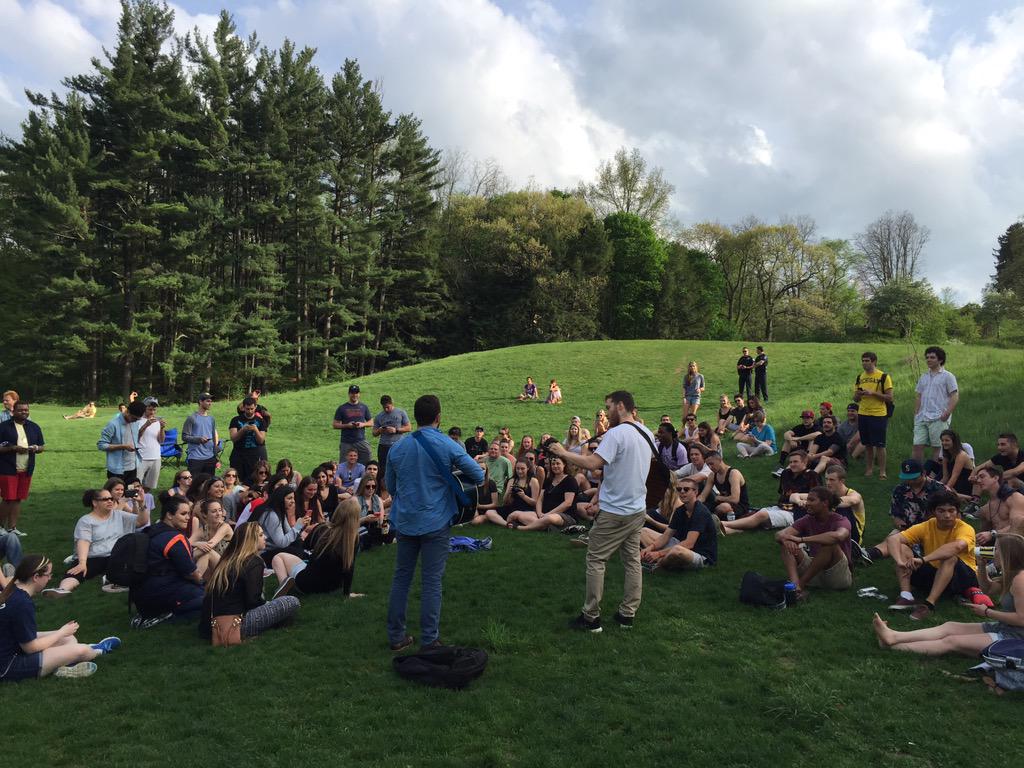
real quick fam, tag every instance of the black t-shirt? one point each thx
(244, 594)
(824, 442)
(486, 492)
(724, 488)
(761, 358)
(802, 430)
(738, 414)
(324, 572)
(249, 440)
(744, 361)
(555, 495)
(1008, 462)
(475, 447)
(802, 483)
(702, 522)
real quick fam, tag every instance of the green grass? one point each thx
(701, 679)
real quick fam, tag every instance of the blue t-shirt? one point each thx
(17, 625)
(249, 441)
(350, 476)
(346, 414)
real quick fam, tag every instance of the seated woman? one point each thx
(554, 394)
(584, 432)
(88, 412)
(260, 474)
(658, 519)
(326, 491)
(232, 496)
(525, 446)
(182, 483)
(556, 505)
(251, 500)
(307, 496)
(957, 465)
(574, 439)
(689, 433)
(487, 504)
(173, 584)
(529, 390)
(212, 534)
(707, 437)
(331, 563)
(601, 423)
(95, 535)
(283, 527)
(285, 469)
(521, 494)
(967, 638)
(372, 515)
(725, 415)
(25, 652)
(236, 588)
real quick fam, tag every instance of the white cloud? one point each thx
(49, 37)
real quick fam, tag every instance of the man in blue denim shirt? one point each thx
(421, 512)
(120, 440)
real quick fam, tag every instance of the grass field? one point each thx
(701, 679)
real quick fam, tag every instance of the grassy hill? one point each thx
(701, 678)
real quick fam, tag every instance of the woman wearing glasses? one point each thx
(24, 651)
(182, 483)
(95, 535)
(372, 514)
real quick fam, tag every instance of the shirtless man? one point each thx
(1004, 512)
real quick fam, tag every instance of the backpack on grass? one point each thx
(1005, 658)
(127, 565)
(755, 589)
(443, 667)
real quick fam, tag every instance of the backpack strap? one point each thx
(647, 439)
(446, 472)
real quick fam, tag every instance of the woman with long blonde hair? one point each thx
(1004, 621)
(693, 388)
(332, 562)
(236, 587)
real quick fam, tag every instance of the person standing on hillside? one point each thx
(390, 425)
(199, 433)
(624, 457)
(7, 412)
(248, 433)
(21, 441)
(937, 396)
(120, 440)
(352, 418)
(744, 369)
(873, 393)
(419, 478)
(761, 375)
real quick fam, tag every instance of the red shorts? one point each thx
(15, 487)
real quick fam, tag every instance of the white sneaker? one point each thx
(55, 592)
(82, 669)
(16, 532)
(8, 571)
(113, 589)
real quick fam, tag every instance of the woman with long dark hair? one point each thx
(957, 465)
(281, 523)
(26, 652)
(236, 587)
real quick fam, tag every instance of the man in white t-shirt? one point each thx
(624, 457)
(151, 438)
(937, 396)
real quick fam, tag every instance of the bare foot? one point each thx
(883, 632)
(869, 473)
(882, 476)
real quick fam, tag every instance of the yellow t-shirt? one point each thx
(873, 406)
(931, 537)
(21, 459)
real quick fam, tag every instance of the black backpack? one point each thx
(127, 565)
(444, 666)
(755, 589)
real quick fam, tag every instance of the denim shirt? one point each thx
(423, 501)
(118, 431)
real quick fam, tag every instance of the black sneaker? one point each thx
(626, 622)
(860, 555)
(778, 472)
(582, 622)
(150, 623)
(574, 530)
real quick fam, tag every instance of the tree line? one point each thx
(213, 214)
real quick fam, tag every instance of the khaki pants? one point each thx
(609, 534)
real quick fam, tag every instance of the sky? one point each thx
(834, 109)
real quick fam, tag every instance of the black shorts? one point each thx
(963, 578)
(94, 566)
(872, 430)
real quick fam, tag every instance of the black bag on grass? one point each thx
(755, 589)
(447, 666)
(127, 565)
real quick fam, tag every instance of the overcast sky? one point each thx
(838, 109)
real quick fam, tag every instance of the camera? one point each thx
(131, 493)
(547, 443)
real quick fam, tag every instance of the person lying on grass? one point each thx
(1004, 510)
(825, 562)
(971, 638)
(690, 540)
(236, 587)
(95, 536)
(943, 563)
(331, 564)
(24, 651)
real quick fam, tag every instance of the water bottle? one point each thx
(730, 516)
(986, 552)
(790, 592)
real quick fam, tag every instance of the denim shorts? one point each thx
(22, 666)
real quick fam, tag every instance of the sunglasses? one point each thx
(104, 498)
(370, 486)
(186, 477)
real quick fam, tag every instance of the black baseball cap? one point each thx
(354, 388)
(205, 396)
(910, 470)
(853, 407)
(478, 429)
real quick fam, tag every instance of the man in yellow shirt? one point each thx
(873, 393)
(947, 563)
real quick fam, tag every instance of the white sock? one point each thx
(907, 595)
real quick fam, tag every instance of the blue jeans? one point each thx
(10, 548)
(432, 549)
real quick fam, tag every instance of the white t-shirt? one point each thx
(627, 459)
(21, 459)
(149, 443)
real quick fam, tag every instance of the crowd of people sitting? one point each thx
(218, 536)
